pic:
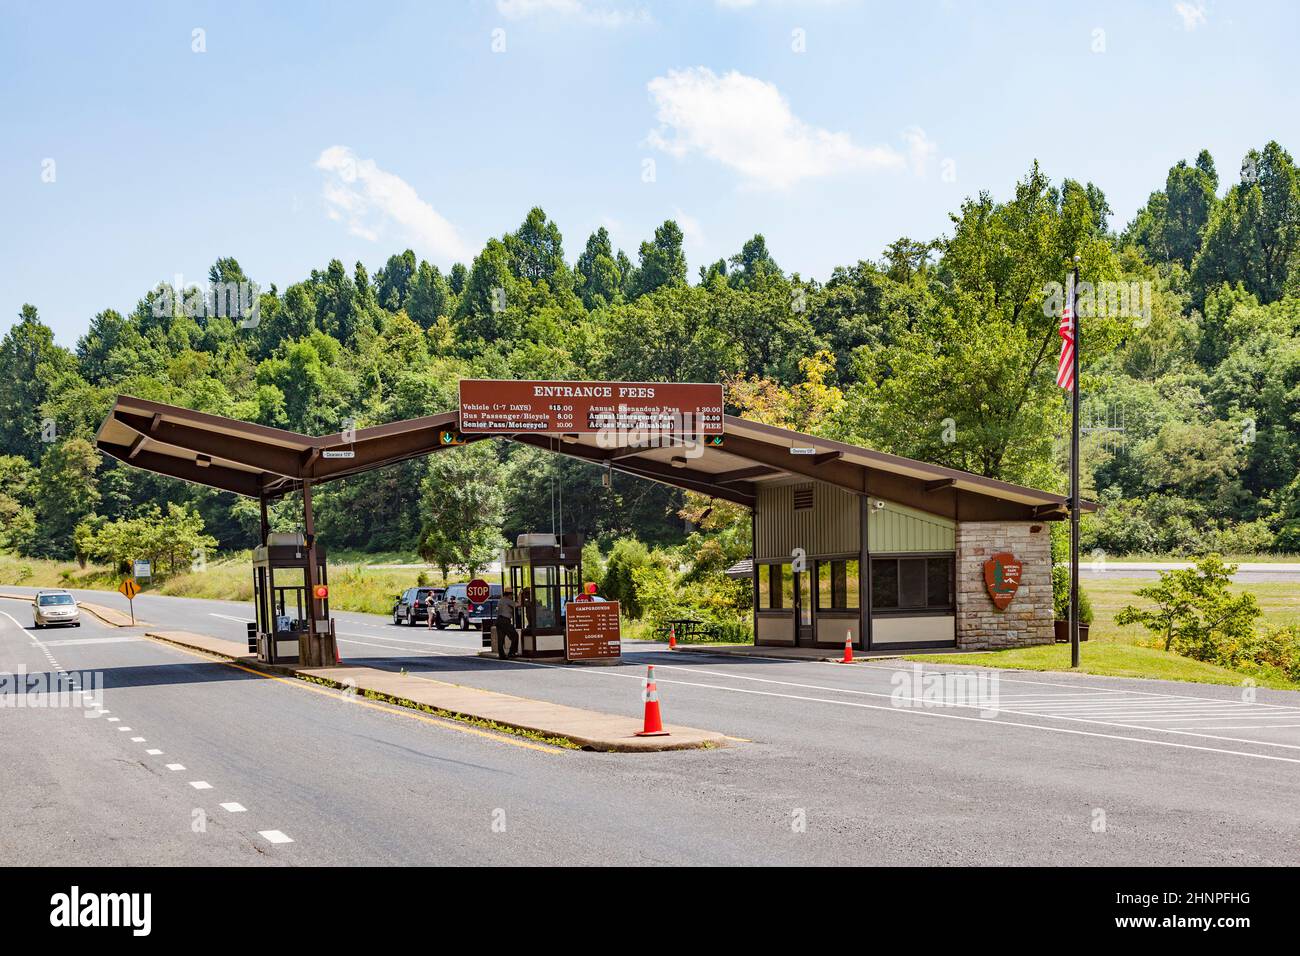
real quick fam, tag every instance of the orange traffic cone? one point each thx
(848, 649)
(654, 725)
(672, 638)
(337, 660)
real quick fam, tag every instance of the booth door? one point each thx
(803, 601)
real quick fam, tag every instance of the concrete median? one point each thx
(588, 729)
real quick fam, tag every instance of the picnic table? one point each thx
(687, 628)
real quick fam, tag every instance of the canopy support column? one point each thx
(317, 647)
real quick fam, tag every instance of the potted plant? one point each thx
(1061, 604)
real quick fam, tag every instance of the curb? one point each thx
(504, 725)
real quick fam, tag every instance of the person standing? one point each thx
(506, 625)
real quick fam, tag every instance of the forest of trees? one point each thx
(942, 349)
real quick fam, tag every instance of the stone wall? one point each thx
(1028, 618)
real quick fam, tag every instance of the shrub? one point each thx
(625, 557)
(1061, 596)
(1196, 614)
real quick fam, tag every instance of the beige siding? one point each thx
(830, 526)
(908, 630)
(895, 528)
(775, 630)
(833, 630)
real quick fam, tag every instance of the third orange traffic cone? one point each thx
(672, 638)
(654, 725)
(848, 649)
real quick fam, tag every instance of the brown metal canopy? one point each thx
(263, 462)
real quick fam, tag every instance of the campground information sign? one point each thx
(590, 407)
(591, 631)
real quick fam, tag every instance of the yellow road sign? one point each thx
(129, 588)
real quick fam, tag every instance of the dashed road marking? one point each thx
(274, 836)
(176, 766)
(200, 785)
(234, 808)
(137, 740)
(153, 752)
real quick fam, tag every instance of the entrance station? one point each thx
(850, 543)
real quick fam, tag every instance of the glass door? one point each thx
(803, 599)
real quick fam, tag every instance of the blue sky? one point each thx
(309, 131)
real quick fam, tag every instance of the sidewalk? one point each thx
(588, 729)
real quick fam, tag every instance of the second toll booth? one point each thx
(287, 610)
(545, 573)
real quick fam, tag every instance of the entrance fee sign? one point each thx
(590, 407)
(1002, 578)
(591, 631)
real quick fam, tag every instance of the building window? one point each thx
(837, 585)
(775, 587)
(922, 583)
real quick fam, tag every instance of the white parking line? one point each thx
(137, 740)
(234, 808)
(176, 766)
(153, 752)
(274, 836)
(200, 785)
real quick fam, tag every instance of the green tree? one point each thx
(663, 262)
(1253, 235)
(1195, 611)
(30, 363)
(601, 278)
(66, 492)
(461, 508)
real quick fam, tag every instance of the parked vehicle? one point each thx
(456, 608)
(413, 605)
(55, 607)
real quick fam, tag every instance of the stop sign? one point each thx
(477, 591)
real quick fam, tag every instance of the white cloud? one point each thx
(746, 124)
(369, 199)
(600, 12)
(1193, 14)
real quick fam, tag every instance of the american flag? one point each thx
(1065, 369)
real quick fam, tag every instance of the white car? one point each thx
(55, 607)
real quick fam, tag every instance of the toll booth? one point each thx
(287, 610)
(545, 572)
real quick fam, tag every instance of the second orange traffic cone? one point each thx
(654, 725)
(672, 638)
(848, 649)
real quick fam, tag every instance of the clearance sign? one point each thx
(590, 407)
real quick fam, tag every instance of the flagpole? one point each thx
(1074, 476)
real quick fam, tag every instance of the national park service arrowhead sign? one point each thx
(1002, 578)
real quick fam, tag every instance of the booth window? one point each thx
(912, 583)
(775, 587)
(837, 585)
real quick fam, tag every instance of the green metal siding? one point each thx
(830, 526)
(895, 528)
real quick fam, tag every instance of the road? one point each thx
(1061, 770)
(1248, 572)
